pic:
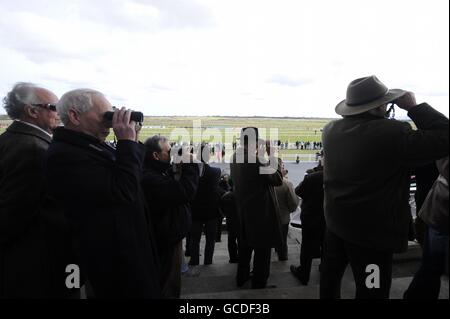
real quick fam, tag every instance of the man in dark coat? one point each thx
(229, 209)
(257, 205)
(34, 246)
(205, 210)
(99, 189)
(366, 183)
(224, 186)
(168, 192)
(426, 283)
(310, 190)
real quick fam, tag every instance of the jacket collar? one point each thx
(85, 141)
(364, 115)
(161, 167)
(19, 127)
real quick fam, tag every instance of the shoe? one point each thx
(193, 271)
(241, 280)
(184, 268)
(296, 272)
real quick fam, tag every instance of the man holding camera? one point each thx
(99, 189)
(169, 188)
(366, 183)
(260, 225)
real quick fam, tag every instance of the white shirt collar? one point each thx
(35, 126)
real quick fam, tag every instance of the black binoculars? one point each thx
(135, 116)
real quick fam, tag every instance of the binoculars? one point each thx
(137, 117)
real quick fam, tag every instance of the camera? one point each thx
(135, 116)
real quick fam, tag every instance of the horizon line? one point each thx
(239, 116)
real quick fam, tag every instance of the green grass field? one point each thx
(289, 129)
(227, 130)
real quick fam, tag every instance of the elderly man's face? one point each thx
(92, 122)
(46, 119)
(164, 155)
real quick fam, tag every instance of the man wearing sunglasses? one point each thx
(31, 262)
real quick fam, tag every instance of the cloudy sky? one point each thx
(226, 57)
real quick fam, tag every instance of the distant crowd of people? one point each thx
(120, 212)
(216, 151)
(299, 145)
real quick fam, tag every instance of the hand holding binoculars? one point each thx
(137, 117)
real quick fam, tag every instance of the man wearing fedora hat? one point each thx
(366, 183)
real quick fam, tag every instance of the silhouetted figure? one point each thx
(35, 240)
(257, 206)
(434, 212)
(366, 181)
(230, 210)
(425, 177)
(169, 189)
(99, 189)
(287, 204)
(205, 211)
(224, 186)
(312, 219)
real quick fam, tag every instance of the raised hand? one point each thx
(123, 128)
(406, 101)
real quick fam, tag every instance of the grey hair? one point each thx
(80, 100)
(154, 143)
(22, 94)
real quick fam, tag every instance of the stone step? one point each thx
(218, 280)
(221, 277)
(399, 285)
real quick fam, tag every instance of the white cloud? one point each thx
(276, 58)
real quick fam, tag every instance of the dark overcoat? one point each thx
(35, 243)
(256, 201)
(99, 190)
(367, 169)
(311, 192)
(206, 203)
(169, 198)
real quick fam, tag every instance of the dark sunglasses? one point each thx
(48, 106)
